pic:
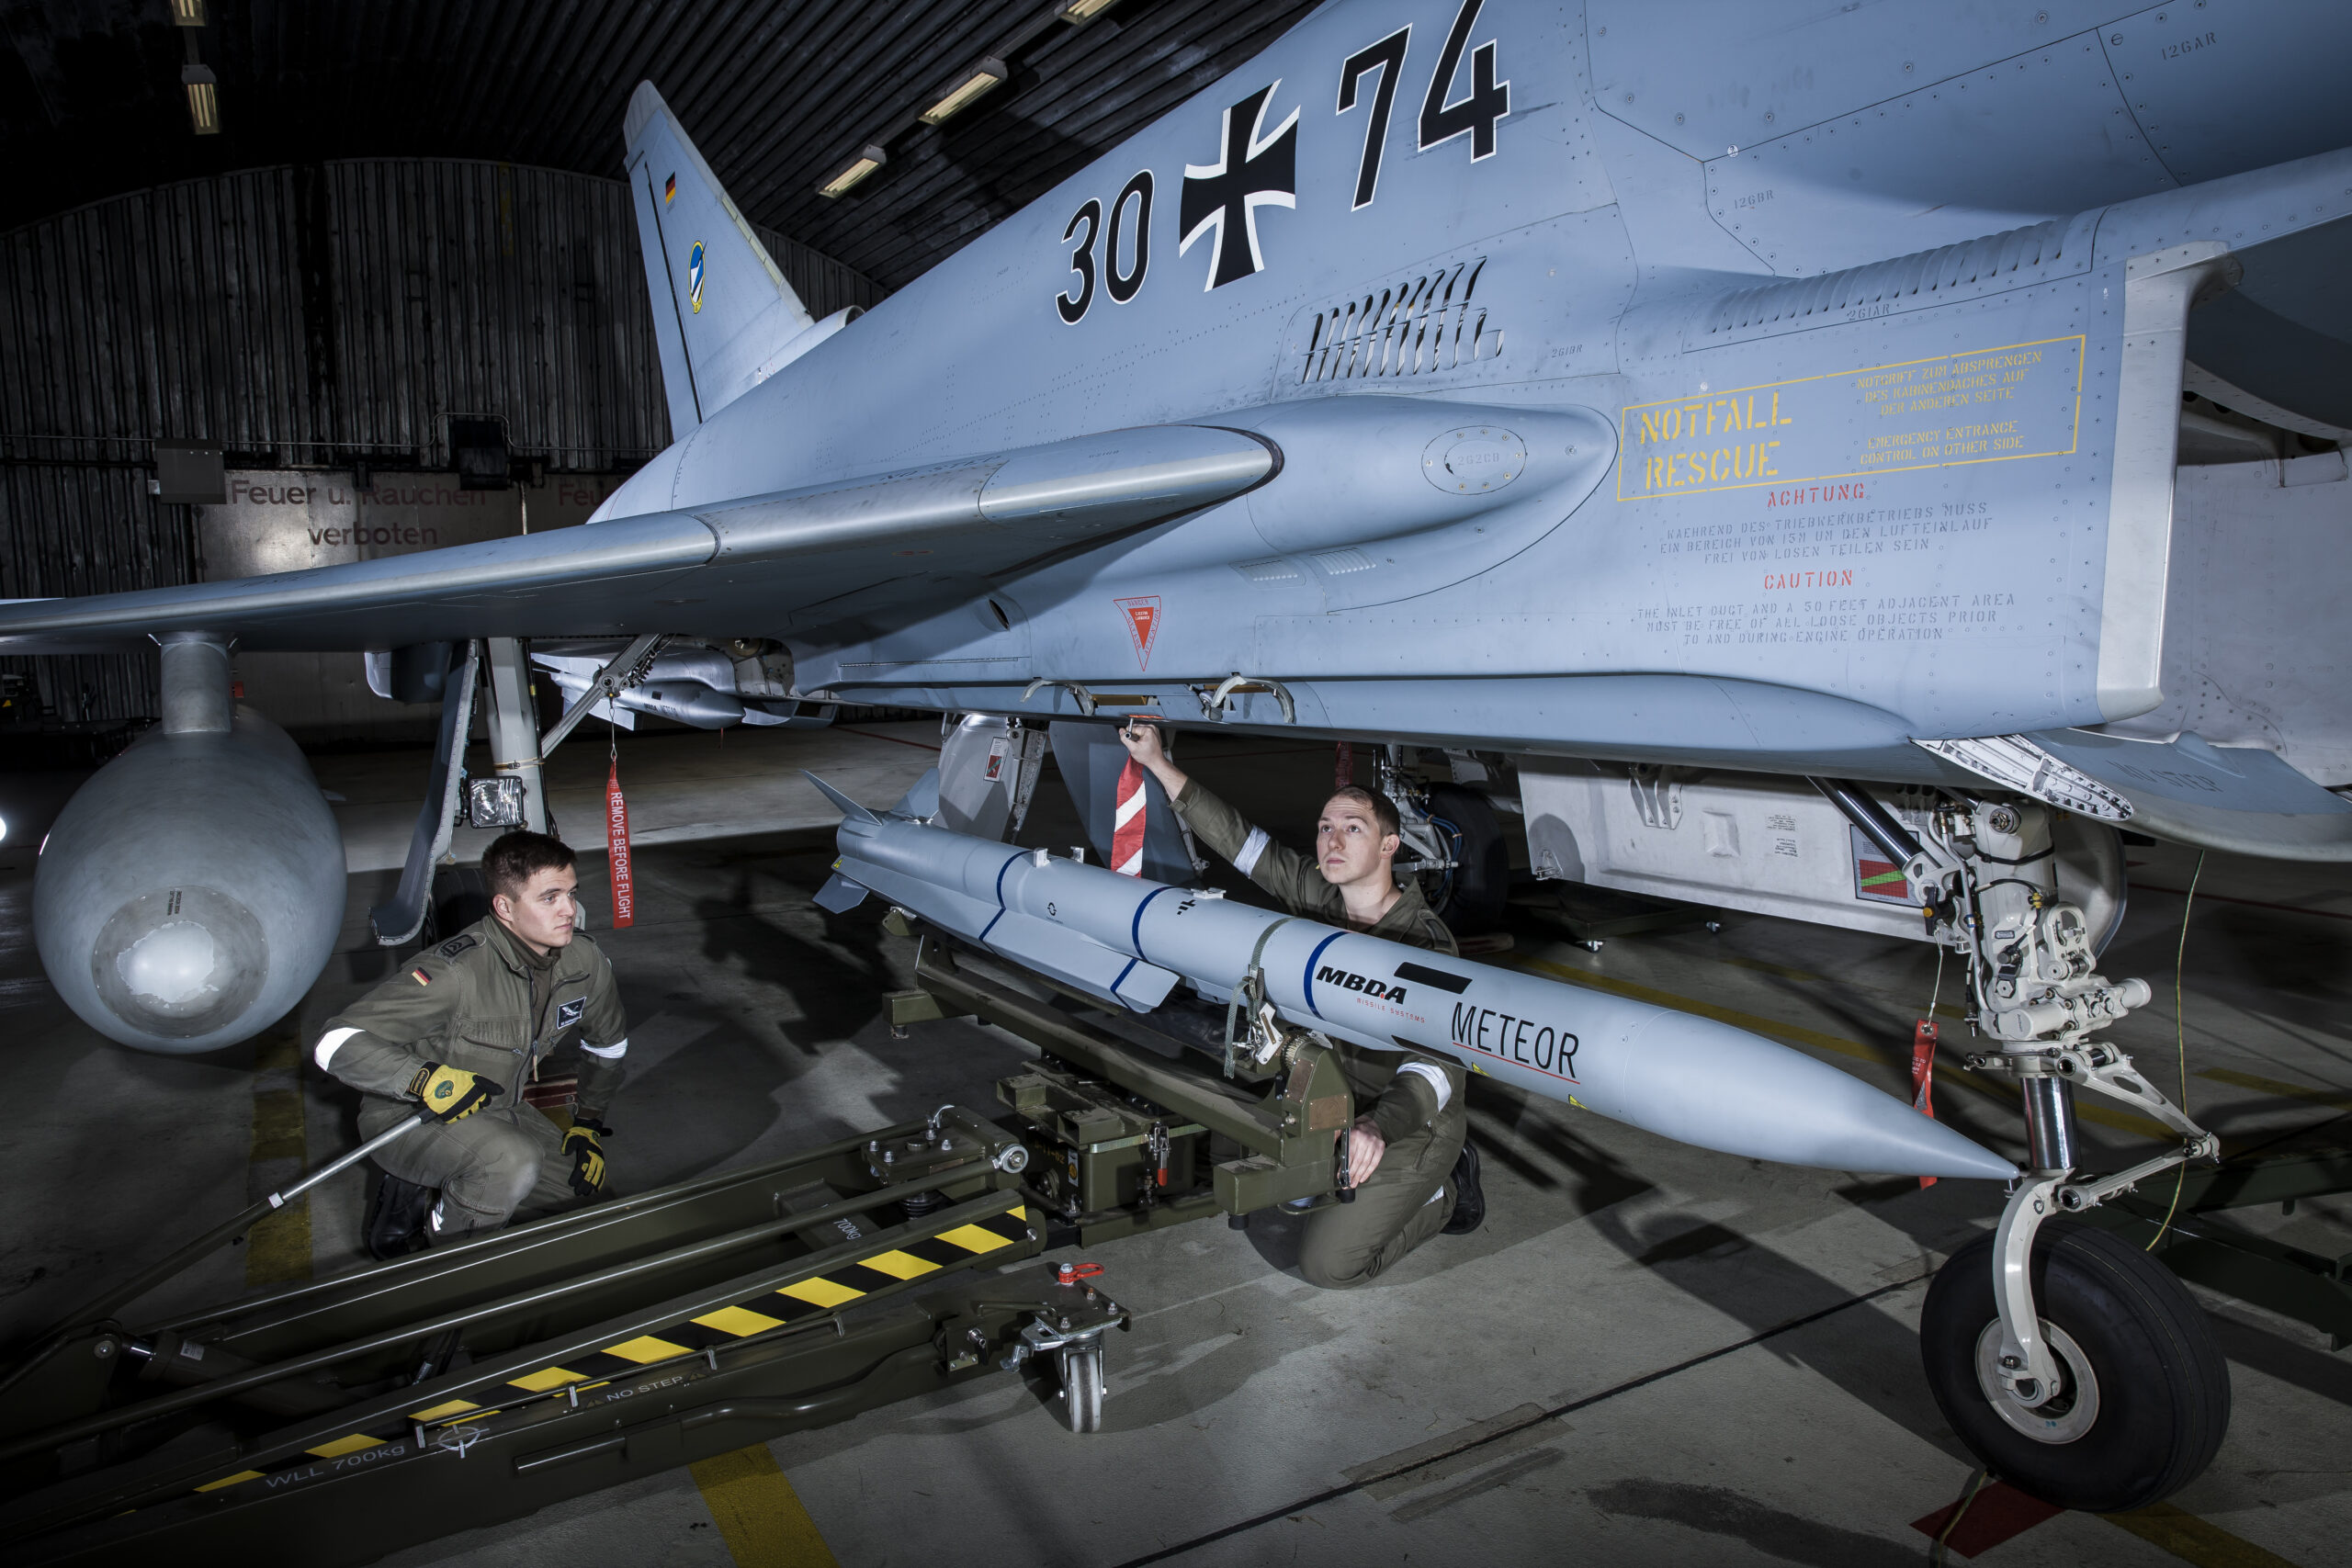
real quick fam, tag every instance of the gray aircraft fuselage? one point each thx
(1806, 508)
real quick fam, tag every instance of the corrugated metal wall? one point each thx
(302, 317)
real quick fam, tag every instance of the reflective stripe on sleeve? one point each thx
(1435, 1075)
(612, 1053)
(1251, 848)
(328, 1045)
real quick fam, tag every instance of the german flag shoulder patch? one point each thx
(420, 976)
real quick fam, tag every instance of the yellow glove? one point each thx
(587, 1157)
(452, 1093)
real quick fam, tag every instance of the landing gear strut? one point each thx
(1452, 844)
(2073, 1364)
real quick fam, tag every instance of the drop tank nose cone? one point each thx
(180, 961)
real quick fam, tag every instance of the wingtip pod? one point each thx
(850, 810)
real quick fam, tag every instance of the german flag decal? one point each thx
(420, 976)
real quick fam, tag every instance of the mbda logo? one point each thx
(1376, 989)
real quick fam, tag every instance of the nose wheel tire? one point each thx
(2143, 1398)
(1081, 1374)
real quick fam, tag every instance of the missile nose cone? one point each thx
(180, 961)
(1721, 1088)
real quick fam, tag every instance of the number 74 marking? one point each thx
(1488, 101)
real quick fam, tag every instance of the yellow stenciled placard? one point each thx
(1988, 405)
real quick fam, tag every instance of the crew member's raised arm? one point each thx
(1290, 876)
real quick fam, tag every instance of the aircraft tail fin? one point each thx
(722, 308)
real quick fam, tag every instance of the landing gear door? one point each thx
(987, 771)
(1093, 764)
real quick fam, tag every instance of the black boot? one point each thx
(1469, 1198)
(396, 1217)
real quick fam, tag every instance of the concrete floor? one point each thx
(1688, 1358)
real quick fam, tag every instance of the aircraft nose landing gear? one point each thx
(2139, 1398)
(2074, 1364)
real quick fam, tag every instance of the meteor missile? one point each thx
(1128, 941)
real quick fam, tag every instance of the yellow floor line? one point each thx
(2335, 1098)
(2123, 1120)
(2193, 1539)
(277, 1249)
(758, 1513)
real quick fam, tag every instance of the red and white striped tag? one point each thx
(616, 839)
(1127, 824)
(1923, 1076)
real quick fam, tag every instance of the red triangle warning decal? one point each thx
(1143, 625)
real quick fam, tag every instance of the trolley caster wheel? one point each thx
(1081, 1374)
(2144, 1392)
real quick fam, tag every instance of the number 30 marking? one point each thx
(1124, 283)
(1081, 262)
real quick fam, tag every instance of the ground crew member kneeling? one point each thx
(1414, 1173)
(459, 1032)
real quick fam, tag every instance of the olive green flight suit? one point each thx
(485, 1002)
(1409, 1196)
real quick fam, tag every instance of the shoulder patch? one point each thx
(458, 944)
(420, 976)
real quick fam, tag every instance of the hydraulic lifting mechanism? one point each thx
(498, 1375)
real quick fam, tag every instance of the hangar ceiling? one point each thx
(778, 97)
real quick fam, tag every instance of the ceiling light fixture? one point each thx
(869, 158)
(988, 74)
(203, 98)
(1076, 11)
(188, 13)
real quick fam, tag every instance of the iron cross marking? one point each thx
(1252, 170)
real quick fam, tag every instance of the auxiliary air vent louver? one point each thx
(1276, 569)
(1417, 327)
(2003, 260)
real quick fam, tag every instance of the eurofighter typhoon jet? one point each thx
(1747, 436)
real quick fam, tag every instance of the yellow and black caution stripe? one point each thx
(786, 1304)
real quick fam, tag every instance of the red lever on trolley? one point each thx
(1071, 1273)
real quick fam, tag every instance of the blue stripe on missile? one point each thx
(1135, 932)
(1310, 970)
(999, 898)
(1122, 976)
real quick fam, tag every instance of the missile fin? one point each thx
(1076, 960)
(849, 809)
(920, 802)
(840, 894)
(1144, 987)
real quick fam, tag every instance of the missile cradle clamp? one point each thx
(1261, 1035)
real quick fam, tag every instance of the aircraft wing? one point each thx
(716, 568)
